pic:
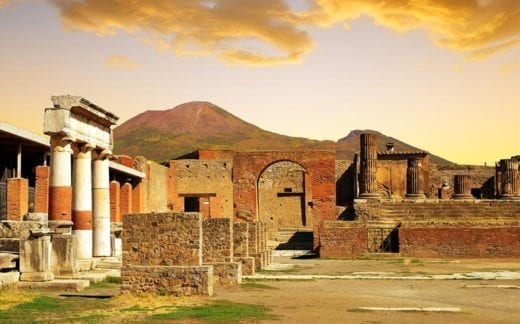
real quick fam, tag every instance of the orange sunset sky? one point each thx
(442, 75)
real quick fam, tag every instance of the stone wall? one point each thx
(217, 243)
(341, 239)
(460, 241)
(241, 239)
(391, 175)
(482, 178)
(319, 165)
(201, 178)
(165, 239)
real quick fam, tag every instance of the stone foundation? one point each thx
(168, 280)
(227, 273)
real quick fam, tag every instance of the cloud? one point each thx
(479, 28)
(226, 28)
(509, 67)
(121, 62)
(198, 27)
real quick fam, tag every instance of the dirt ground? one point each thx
(337, 301)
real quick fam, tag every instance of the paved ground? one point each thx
(340, 301)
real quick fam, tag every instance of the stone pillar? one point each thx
(17, 198)
(413, 178)
(82, 200)
(115, 211)
(462, 186)
(60, 189)
(509, 179)
(368, 166)
(137, 197)
(126, 199)
(101, 205)
(41, 190)
(35, 257)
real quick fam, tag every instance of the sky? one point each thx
(442, 75)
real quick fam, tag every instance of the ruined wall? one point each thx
(346, 187)
(217, 243)
(482, 178)
(281, 197)
(320, 166)
(460, 241)
(341, 239)
(197, 177)
(162, 239)
(391, 175)
(156, 184)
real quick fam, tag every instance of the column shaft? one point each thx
(60, 189)
(462, 186)
(509, 179)
(368, 166)
(413, 178)
(82, 201)
(101, 206)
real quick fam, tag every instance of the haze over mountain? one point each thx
(161, 135)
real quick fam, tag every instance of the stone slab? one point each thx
(9, 278)
(57, 284)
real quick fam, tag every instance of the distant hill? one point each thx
(161, 135)
(349, 145)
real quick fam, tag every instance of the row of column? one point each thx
(509, 186)
(81, 194)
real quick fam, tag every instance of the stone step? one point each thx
(56, 284)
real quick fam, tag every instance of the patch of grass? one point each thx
(220, 311)
(108, 282)
(135, 308)
(39, 307)
(255, 285)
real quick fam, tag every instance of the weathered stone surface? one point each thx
(241, 239)
(63, 257)
(8, 261)
(163, 239)
(174, 280)
(217, 240)
(248, 265)
(35, 259)
(227, 273)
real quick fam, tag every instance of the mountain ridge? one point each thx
(161, 135)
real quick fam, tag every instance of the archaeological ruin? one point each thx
(209, 217)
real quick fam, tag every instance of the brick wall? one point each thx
(126, 199)
(217, 241)
(343, 239)
(460, 241)
(164, 239)
(17, 198)
(41, 193)
(115, 200)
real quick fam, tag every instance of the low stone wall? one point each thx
(170, 280)
(164, 239)
(248, 265)
(343, 239)
(217, 240)
(459, 241)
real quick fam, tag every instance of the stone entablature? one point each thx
(80, 120)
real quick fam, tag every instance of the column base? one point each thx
(414, 196)
(462, 197)
(37, 276)
(510, 197)
(369, 196)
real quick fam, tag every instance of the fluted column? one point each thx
(101, 204)
(509, 179)
(82, 200)
(368, 166)
(462, 186)
(413, 178)
(60, 184)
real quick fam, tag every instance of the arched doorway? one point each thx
(282, 198)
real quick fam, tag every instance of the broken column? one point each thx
(82, 200)
(413, 178)
(368, 166)
(509, 179)
(60, 188)
(462, 186)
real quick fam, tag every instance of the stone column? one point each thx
(413, 178)
(60, 189)
(462, 186)
(82, 200)
(509, 181)
(368, 166)
(101, 204)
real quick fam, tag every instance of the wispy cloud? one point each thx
(121, 62)
(509, 67)
(479, 28)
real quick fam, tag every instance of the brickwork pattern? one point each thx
(126, 200)
(343, 239)
(41, 192)
(17, 198)
(115, 201)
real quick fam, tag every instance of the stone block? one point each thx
(248, 265)
(63, 258)
(227, 273)
(35, 259)
(168, 280)
(8, 261)
(10, 245)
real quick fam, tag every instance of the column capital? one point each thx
(101, 154)
(80, 149)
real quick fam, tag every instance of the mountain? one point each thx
(349, 145)
(161, 135)
(166, 134)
